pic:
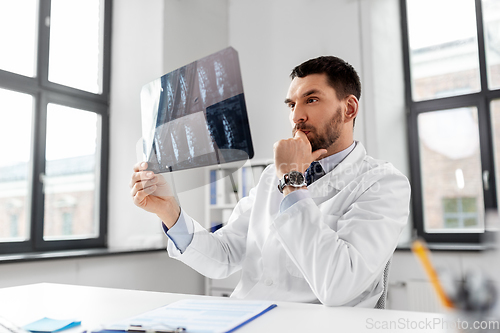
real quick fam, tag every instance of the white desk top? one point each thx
(95, 306)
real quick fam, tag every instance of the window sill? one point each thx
(71, 254)
(450, 247)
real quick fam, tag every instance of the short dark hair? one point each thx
(341, 76)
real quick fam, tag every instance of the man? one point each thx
(328, 241)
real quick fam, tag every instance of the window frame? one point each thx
(44, 92)
(481, 100)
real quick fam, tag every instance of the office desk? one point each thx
(94, 306)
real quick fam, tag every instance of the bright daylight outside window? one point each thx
(450, 164)
(443, 48)
(76, 29)
(452, 61)
(70, 173)
(18, 24)
(15, 149)
(491, 17)
(54, 97)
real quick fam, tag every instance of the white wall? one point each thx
(193, 29)
(137, 58)
(153, 271)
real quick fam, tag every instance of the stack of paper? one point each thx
(196, 316)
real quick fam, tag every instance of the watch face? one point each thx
(296, 178)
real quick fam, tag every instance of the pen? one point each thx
(137, 329)
(141, 329)
(420, 250)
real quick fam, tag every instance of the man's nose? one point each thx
(299, 115)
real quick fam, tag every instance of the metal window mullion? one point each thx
(415, 173)
(493, 95)
(481, 46)
(39, 132)
(38, 174)
(42, 69)
(406, 52)
(75, 102)
(106, 61)
(446, 103)
(486, 131)
(18, 83)
(487, 153)
(103, 179)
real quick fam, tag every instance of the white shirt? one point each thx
(331, 247)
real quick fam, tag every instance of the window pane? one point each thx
(451, 223)
(491, 19)
(443, 48)
(18, 30)
(71, 184)
(15, 136)
(76, 40)
(451, 171)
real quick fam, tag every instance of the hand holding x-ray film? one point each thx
(152, 193)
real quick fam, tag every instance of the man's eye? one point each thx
(291, 106)
(312, 100)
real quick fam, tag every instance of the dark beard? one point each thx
(331, 134)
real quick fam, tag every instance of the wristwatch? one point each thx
(293, 178)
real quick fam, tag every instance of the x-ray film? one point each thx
(196, 115)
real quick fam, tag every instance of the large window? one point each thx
(452, 72)
(54, 98)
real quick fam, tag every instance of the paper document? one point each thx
(47, 325)
(198, 316)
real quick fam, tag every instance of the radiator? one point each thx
(422, 297)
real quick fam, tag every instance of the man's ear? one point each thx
(352, 105)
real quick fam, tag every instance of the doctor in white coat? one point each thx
(327, 241)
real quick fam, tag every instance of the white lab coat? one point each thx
(330, 248)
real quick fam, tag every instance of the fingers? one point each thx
(140, 195)
(300, 135)
(142, 185)
(317, 153)
(139, 174)
(140, 166)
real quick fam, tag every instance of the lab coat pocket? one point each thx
(291, 268)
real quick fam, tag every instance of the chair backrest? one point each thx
(381, 303)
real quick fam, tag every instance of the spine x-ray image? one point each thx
(196, 115)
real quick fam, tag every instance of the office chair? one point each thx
(381, 303)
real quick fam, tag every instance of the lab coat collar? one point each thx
(343, 174)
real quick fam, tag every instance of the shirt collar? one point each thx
(330, 162)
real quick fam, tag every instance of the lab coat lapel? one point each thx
(343, 174)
